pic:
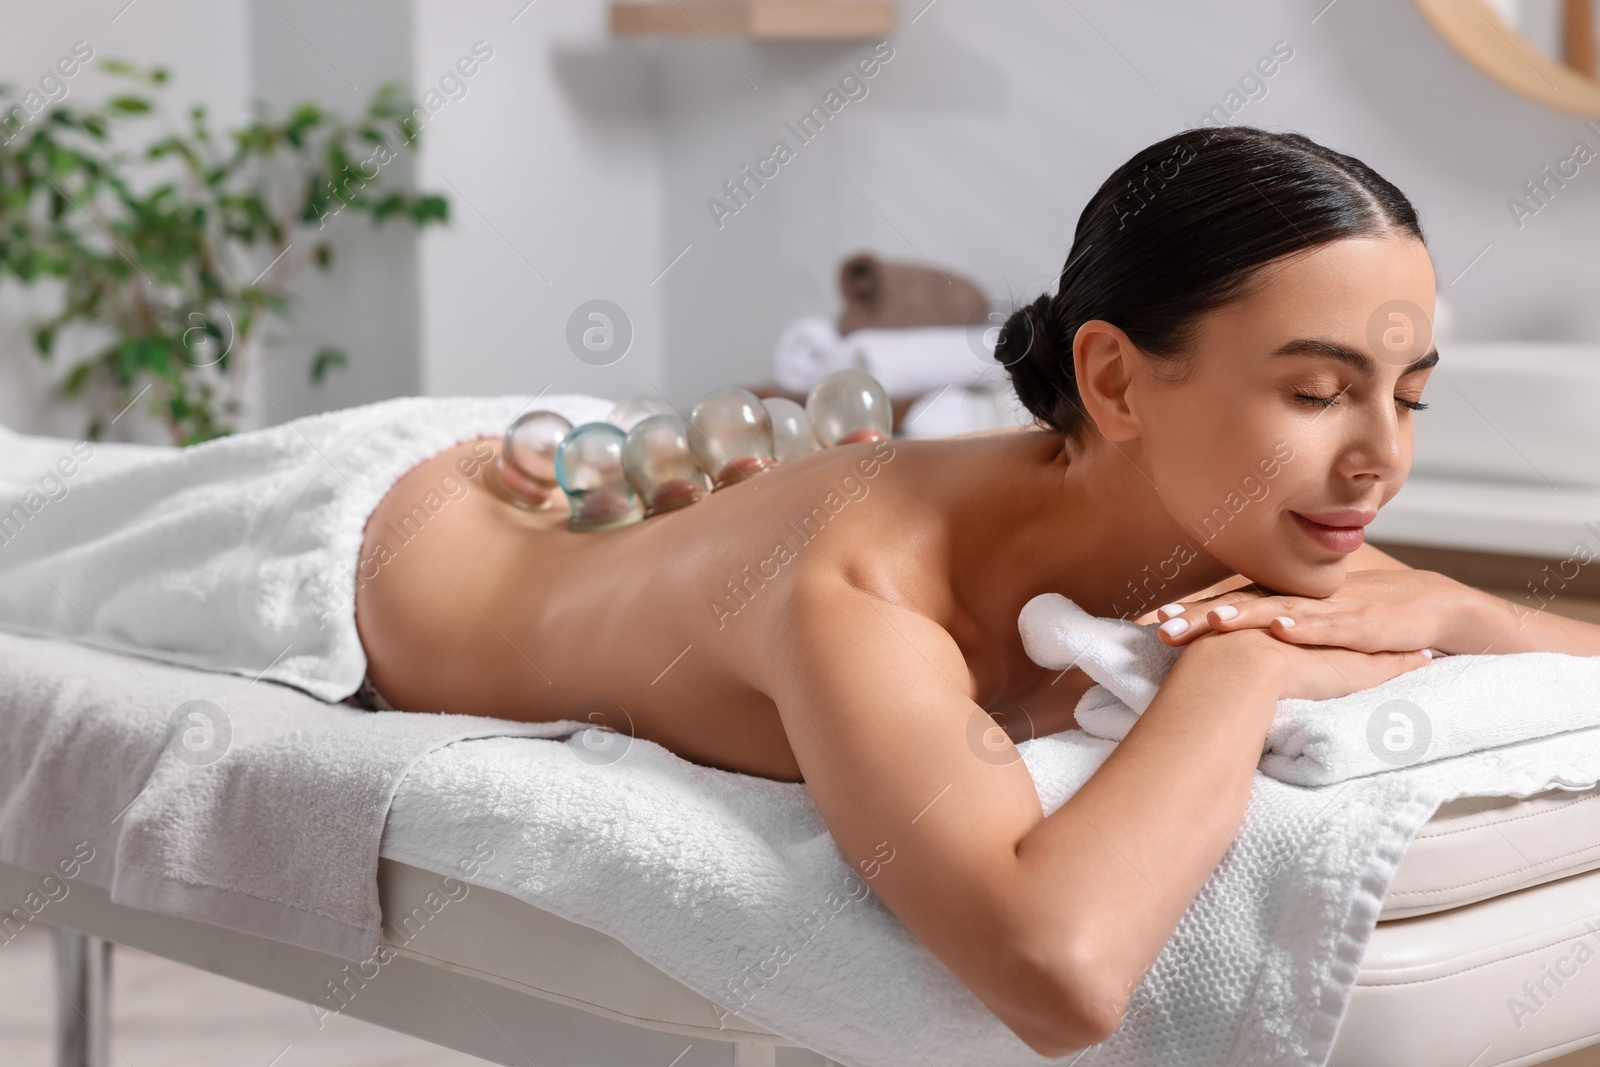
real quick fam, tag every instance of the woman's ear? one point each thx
(1105, 363)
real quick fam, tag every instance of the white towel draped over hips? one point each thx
(238, 554)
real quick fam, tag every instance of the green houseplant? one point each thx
(174, 254)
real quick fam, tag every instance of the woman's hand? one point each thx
(1304, 671)
(1373, 611)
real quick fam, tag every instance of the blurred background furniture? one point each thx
(926, 333)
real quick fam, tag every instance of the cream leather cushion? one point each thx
(1479, 847)
(1511, 979)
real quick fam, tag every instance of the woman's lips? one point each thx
(1334, 538)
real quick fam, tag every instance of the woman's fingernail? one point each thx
(1174, 627)
(1226, 611)
(1428, 652)
(1284, 620)
(1172, 609)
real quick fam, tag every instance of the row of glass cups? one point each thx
(646, 459)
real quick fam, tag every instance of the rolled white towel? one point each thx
(807, 350)
(1126, 658)
(912, 361)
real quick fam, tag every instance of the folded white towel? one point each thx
(239, 554)
(1126, 658)
(906, 362)
(1448, 708)
(807, 350)
(912, 361)
(1451, 707)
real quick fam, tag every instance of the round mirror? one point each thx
(1542, 49)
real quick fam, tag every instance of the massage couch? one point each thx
(1490, 896)
(1483, 954)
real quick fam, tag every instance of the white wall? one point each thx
(551, 165)
(367, 305)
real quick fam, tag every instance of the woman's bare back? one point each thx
(668, 629)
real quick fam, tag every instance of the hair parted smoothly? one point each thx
(1179, 230)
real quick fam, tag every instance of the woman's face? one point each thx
(1293, 424)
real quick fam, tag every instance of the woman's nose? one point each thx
(1381, 448)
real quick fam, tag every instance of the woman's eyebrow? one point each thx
(1316, 346)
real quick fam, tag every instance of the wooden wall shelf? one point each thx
(761, 19)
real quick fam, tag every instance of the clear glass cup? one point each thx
(848, 406)
(527, 461)
(792, 436)
(659, 465)
(731, 436)
(589, 470)
(630, 411)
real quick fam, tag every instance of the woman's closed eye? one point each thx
(1329, 401)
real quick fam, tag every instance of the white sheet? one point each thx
(248, 805)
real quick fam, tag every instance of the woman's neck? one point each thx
(1029, 521)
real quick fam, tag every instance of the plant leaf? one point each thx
(326, 359)
(73, 384)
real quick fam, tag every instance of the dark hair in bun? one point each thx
(1179, 230)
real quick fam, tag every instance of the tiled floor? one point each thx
(169, 1015)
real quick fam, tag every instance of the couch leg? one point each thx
(83, 1009)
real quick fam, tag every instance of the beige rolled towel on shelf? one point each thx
(884, 295)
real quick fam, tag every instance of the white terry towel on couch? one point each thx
(734, 886)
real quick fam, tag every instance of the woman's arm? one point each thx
(926, 798)
(1496, 624)
(1389, 610)
(1493, 624)
(1499, 624)
(1051, 922)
